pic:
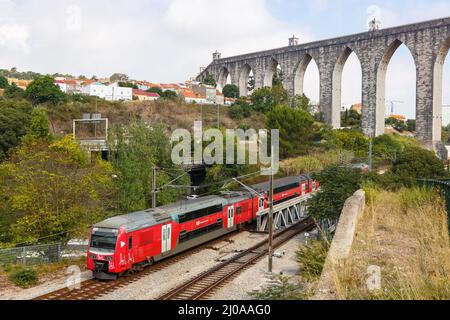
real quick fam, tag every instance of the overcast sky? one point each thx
(168, 40)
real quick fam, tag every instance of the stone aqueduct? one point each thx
(428, 42)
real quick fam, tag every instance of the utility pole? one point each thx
(271, 215)
(154, 188)
(218, 116)
(271, 225)
(370, 155)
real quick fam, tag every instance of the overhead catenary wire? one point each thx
(169, 185)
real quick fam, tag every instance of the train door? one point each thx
(166, 238)
(230, 217)
(261, 204)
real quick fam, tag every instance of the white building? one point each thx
(62, 85)
(110, 93)
(445, 115)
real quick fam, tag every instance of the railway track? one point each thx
(93, 289)
(205, 284)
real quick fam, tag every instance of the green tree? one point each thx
(350, 118)
(155, 90)
(337, 184)
(411, 125)
(44, 90)
(128, 85)
(54, 193)
(170, 95)
(416, 163)
(14, 92)
(296, 130)
(251, 83)
(386, 147)
(397, 124)
(14, 119)
(3, 83)
(278, 78)
(240, 109)
(119, 77)
(301, 102)
(134, 158)
(265, 99)
(209, 80)
(346, 139)
(231, 91)
(40, 124)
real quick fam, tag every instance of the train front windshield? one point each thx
(103, 242)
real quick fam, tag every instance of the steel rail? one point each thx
(207, 282)
(92, 289)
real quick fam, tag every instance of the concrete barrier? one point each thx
(341, 245)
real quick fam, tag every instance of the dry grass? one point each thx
(405, 233)
(174, 115)
(314, 162)
(45, 272)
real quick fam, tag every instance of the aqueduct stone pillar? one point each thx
(428, 42)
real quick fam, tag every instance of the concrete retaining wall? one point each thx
(341, 246)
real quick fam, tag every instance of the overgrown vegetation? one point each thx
(136, 154)
(311, 258)
(405, 233)
(337, 184)
(51, 191)
(283, 289)
(24, 278)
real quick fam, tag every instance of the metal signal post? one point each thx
(271, 223)
(154, 188)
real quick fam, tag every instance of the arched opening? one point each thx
(307, 81)
(224, 79)
(273, 72)
(396, 88)
(347, 90)
(246, 80)
(251, 83)
(441, 94)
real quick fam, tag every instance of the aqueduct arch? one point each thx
(427, 41)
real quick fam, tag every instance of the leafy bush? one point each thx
(346, 139)
(315, 162)
(282, 290)
(416, 163)
(312, 258)
(337, 185)
(25, 278)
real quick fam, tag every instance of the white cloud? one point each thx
(159, 41)
(15, 36)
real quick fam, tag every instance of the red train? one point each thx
(130, 242)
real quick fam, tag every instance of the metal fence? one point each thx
(443, 186)
(41, 254)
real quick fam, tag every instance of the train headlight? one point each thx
(110, 258)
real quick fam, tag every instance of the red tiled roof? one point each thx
(192, 94)
(137, 92)
(170, 86)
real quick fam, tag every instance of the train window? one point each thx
(286, 188)
(239, 210)
(130, 243)
(103, 241)
(200, 213)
